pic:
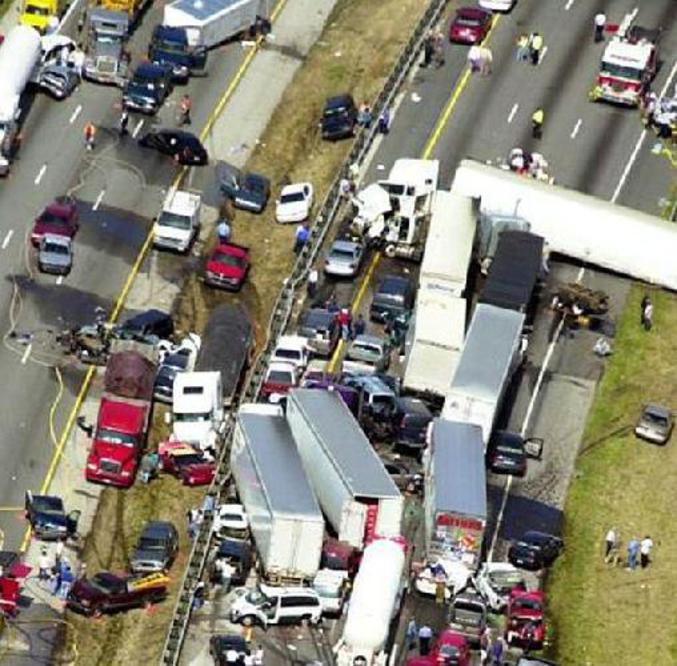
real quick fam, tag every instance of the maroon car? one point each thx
(227, 266)
(186, 463)
(59, 218)
(470, 25)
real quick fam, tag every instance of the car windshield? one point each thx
(104, 584)
(449, 652)
(654, 419)
(509, 450)
(48, 505)
(192, 417)
(232, 517)
(253, 184)
(256, 597)
(112, 437)
(335, 111)
(36, 11)
(467, 612)
(228, 260)
(505, 580)
(293, 354)
(365, 349)
(175, 221)
(169, 46)
(317, 320)
(621, 71)
(55, 248)
(54, 220)
(150, 543)
(528, 604)
(293, 197)
(468, 21)
(280, 377)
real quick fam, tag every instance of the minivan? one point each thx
(393, 296)
(265, 605)
(412, 418)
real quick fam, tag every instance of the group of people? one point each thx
(638, 551)
(56, 571)
(348, 327)
(660, 114)
(533, 165)
(433, 49)
(480, 59)
(530, 48)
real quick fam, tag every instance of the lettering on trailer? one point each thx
(445, 520)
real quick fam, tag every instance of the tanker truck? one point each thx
(19, 55)
(373, 607)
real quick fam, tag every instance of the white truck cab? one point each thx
(292, 349)
(331, 587)
(178, 224)
(197, 407)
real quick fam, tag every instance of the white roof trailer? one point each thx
(577, 225)
(19, 55)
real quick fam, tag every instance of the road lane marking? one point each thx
(75, 115)
(26, 354)
(569, 4)
(99, 199)
(41, 173)
(577, 127)
(8, 238)
(640, 141)
(513, 111)
(138, 127)
(59, 280)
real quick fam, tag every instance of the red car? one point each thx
(526, 621)
(186, 463)
(470, 25)
(59, 218)
(449, 648)
(227, 266)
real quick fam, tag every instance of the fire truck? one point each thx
(628, 64)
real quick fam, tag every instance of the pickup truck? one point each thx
(106, 592)
(178, 224)
(227, 266)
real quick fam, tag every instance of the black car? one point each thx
(248, 191)
(394, 295)
(148, 88)
(535, 550)
(149, 324)
(506, 453)
(48, 519)
(220, 645)
(321, 328)
(164, 381)
(339, 118)
(156, 548)
(183, 147)
(237, 553)
(411, 420)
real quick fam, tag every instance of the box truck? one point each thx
(284, 516)
(356, 493)
(494, 348)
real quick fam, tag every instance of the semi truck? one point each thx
(356, 493)
(106, 61)
(374, 605)
(211, 22)
(124, 412)
(197, 408)
(494, 348)
(284, 516)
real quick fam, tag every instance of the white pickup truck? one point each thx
(178, 224)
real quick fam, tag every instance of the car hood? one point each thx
(526, 614)
(112, 452)
(336, 122)
(523, 552)
(83, 589)
(198, 471)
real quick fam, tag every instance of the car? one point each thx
(183, 147)
(410, 424)
(59, 80)
(221, 646)
(55, 254)
(344, 259)
(350, 396)
(495, 581)
(468, 614)
(187, 463)
(265, 605)
(292, 349)
(321, 330)
(106, 592)
(227, 266)
(248, 191)
(156, 548)
(339, 118)
(231, 520)
(48, 519)
(294, 203)
(526, 619)
(506, 454)
(172, 365)
(238, 554)
(497, 5)
(535, 550)
(394, 295)
(655, 424)
(367, 354)
(469, 25)
(148, 88)
(449, 648)
(149, 326)
(60, 218)
(280, 378)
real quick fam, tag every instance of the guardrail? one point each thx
(281, 315)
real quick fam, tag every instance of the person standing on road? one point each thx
(645, 551)
(498, 652)
(633, 551)
(486, 61)
(522, 48)
(600, 23)
(537, 119)
(609, 543)
(535, 48)
(425, 635)
(344, 320)
(90, 135)
(360, 326)
(428, 49)
(185, 107)
(58, 554)
(44, 565)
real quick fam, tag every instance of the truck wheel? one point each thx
(248, 621)
(390, 251)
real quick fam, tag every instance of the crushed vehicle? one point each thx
(106, 60)
(237, 553)
(156, 548)
(496, 580)
(48, 518)
(150, 326)
(189, 464)
(221, 647)
(171, 46)
(60, 218)
(183, 147)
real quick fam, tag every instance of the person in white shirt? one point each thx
(44, 565)
(600, 23)
(610, 542)
(645, 547)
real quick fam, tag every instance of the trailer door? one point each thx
(353, 521)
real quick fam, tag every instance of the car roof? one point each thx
(344, 245)
(234, 547)
(151, 70)
(143, 319)
(394, 284)
(256, 178)
(367, 339)
(294, 188)
(414, 406)
(317, 316)
(50, 501)
(507, 438)
(281, 366)
(535, 536)
(338, 101)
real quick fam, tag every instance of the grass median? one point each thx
(601, 613)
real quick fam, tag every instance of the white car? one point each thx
(294, 203)
(231, 521)
(455, 574)
(497, 5)
(494, 582)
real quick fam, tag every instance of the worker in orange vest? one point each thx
(90, 133)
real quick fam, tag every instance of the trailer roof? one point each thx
(274, 455)
(458, 466)
(514, 270)
(488, 351)
(345, 444)
(204, 9)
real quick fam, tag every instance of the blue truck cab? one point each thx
(169, 46)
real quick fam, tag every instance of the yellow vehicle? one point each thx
(131, 7)
(39, 14)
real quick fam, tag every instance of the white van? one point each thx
(265, 605)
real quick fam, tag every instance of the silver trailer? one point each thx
(284, 516)
(455, 502)
(355, 491)
(106, 61)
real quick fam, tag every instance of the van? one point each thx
(393, 296)
(266, 605)
(292, 349)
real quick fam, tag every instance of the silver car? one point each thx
(655, 424)
(55, 254)
(367, 354)
(344, 258)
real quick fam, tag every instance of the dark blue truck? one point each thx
(169, 46)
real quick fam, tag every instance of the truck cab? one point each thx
(197, 407)
(170, 46)
(178, 224)
(41, 14)
(106, 61)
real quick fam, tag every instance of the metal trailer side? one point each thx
(355, 491)
(449, 245)
(493, 350)
(455, 498)
(285, 518)
(434, 342)
(211, 22)
(577, 225)
(515, 271)
(226, 347)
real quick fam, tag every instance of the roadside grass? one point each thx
(368, 35)
(603, 614)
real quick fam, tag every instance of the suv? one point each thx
(276, 605)
(48, 518)
(339, 118)
(148, 88)
(468, 615)
(393, 296)
(367, 354)
(321, 329)
(411, 421)
(156, 548)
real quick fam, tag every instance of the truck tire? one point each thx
(390, 251)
